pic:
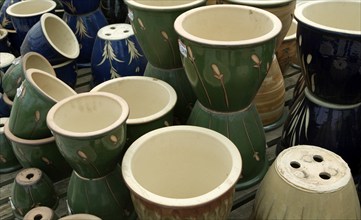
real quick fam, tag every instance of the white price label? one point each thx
(182, 48)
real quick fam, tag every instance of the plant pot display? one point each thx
(225, 89)
(8, 161)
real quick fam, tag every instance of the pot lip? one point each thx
(6, 59)
(140, 6)
(56, 66)
(58, 130)
(227, 184)
(3, 33)
(3, 121)
(7, 100)
(35, 54)
(167, 108)
(302, 19)
(9, 11)
(71, 33)
(271, 34)
(262, 3)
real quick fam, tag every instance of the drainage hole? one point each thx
(38, 217)
(318, 158)
(325, 175)
(112, 27)
(29, 176)
(295, 164)
(125, 31)
(108, 34)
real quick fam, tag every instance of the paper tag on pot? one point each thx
(130, 15)
(19, 90)
(182, 48)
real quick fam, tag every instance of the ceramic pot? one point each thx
(115, 11)
(85, 28)
(52, 38)
(14, 42)
(90, 131)
(201, 188)
(67, 72)
(270, 98)
(329, 49)
(80, 217)
(115, 199)
(8, 161)
(287, 51)
(5, 109)
(32, 188)
(5, 19)
(6, 60)
(41, 213)
(40, 153)
(116, 53)
(334, 127)
(151, 108)
(77, 7)
(226, 88)
(300, 181)
(36, 95)
(4, 42)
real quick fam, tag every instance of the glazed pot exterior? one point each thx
(8, 161)
(90, 131)
(4, 41)
(115, 11)
(329, 50)
(67, 72)
(287, 52)
(5, 19)
(77, 7)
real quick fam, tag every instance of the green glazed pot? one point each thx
(152, 23)
(106, 197)
(32, 188)
(41, 213)
(15, 75)
(8, 161)
(39, 153)
(36, 95)
(226, 58)
(151, 102)
(90, 131)
(244, 128)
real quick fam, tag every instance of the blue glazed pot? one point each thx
(25, 14)
(116, 53)
(66, 72)
(79, 7)
(329, 49)
(4, 41)
(335, 127)
(5, 108)
(5, 19)
(85, 27)
(52, 38)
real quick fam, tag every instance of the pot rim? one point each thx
(168, 107)
(299, 16)
(10, 12)
(6, 59)
(217, 192)
(141, 6)
(271, 34)
(26, 57)
(262, 3)
(58, 130)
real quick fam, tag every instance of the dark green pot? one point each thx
(8, 161)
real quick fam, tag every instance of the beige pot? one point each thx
(182, 172)
(307, 182)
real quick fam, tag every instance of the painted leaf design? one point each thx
(81, 30)
(70, 6)
(132, 50)
(108, 53)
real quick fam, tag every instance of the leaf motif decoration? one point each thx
(5, 22)
(108, 53)
(256, 60)
(81, 30)
(132, 50)
(141, 24)
(70, 6)
(113, 73)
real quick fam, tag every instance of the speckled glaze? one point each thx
(114, 201)
(32, 188)
(307, 182)
(331, 126)
(35, 96)
(198, 181)
(90, 131)
(8, 161)
(116, 53)
(85, 27)
(52, 38)
(78, 7)
(329, 49)
(40, 153)
(151, 102)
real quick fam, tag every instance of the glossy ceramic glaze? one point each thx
(299, 183)
(5, 19)
(67, 72)
(14, 42)
(208, 55)
(5, 60)
(80, 217)
(40, 153)
(4, 42)
(5, 105)
(77, 7)
(32, 188)
(52, 38)
(115, 11)
(24, 14)
(35, 96)
(41, 213)
(114, 202)
(151, 102)
(90, 131)
(287, 52)
(8, 161)
(85, 27)
(331, 126)
(116, 53)
(329, 49)
(203, 187)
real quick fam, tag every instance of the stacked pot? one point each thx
(328, 111)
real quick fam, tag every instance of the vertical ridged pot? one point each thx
(90, 131)
(226, 68)
(182, 172)
(307, 182)
(152, 23)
